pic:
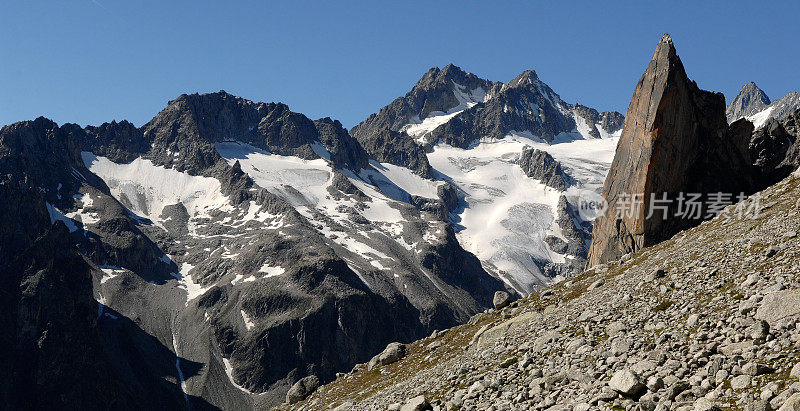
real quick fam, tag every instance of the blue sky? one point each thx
(93, 61)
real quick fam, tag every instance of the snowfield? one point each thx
(761, 117)
(146, 188)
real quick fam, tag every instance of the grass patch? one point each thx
(662, 306)
(509, 362)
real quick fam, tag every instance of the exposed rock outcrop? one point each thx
(459, 108)
(768, 147)
(302, 389)
(608, 121)
(675, 140)
(394, 147)
(435, 92)
(791, 124)
(749, 101)
(753, 104)
(542, 166)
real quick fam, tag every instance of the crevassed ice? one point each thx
(508, 214)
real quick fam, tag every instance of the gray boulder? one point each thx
(418, 403)
(501, 300)
(393, 353)
(302, 389)
(626, 382)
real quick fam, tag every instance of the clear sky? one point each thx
(88, 62)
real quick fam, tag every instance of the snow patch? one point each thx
(406, 180)
(56, 215)
(109, 272)
(248, 323)
(761, 117)
(193, 290)
(146, 188)
(229, 372)
(271, 271)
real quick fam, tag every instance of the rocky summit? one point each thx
(749, 101)
(754, 105)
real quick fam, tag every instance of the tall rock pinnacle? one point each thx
(675, 140)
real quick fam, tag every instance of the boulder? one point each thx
(302, 389)
(704, 404)
(791, 404)
(501, 299)
(740, 382)
(393, 353)
(418, 403)
(626, 382)
(795, 372)
(754, 369)
(779, 305)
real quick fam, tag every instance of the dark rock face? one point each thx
(56, 351)
(577, 233)
(190, 125)
(346, 152)
(434, 92)
(388, 146)
(675, 139)
(769, 146)
(449, 196)
(542, 166)
(749, 101)
(120, 142)
(610, 121)
(523, 104)
(792, 126)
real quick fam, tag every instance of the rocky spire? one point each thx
(749, 101)
(675, 139)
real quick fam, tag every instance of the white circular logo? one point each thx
(589, 204)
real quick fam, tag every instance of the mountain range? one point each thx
(236, 254)
(251, 246)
